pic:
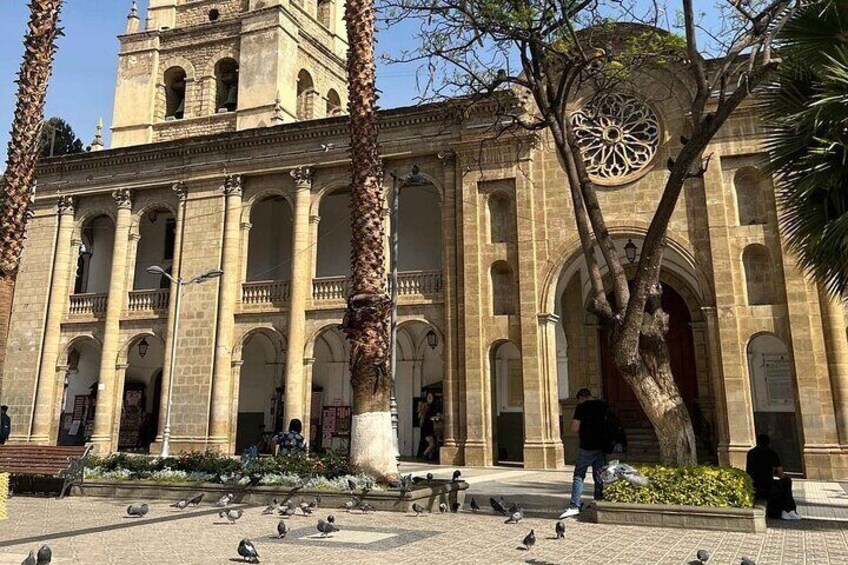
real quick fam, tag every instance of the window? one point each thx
(305, 96)
(759, 276)
(226, 79)
(334, 103)
(503, 289)
(324, 13)
(175, 93)
(499, 217)
(748, 183)
(214, 14)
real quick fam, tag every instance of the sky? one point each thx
(82, 88)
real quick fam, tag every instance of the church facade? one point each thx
(229, 152)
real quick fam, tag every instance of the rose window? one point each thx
(619, 136)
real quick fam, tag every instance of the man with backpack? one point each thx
(599, 433)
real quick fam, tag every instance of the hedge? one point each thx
(690, 486)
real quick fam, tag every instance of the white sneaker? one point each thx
(794, 515)
(786, 516)
(571, 511)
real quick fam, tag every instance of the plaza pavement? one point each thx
(90, 531)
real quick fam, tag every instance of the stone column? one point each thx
(236, 366)
(43, 424)
(313, 234)
(107, 395)
(222, 386)
(299, 294)
(308, 362)
(181, 190)
(740, 433)
(833, 322)
(245, 251)
(549, 366)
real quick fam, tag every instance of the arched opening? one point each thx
(305, 96)
(226, 81)
(507, 401)
(419, 229)
(140, 402)
(324, 14)
(773, 394)
(269, 251)
(501, 226)
(261, 392)
(214, 14)
(334, 103)
(749, 185)
(79, 397)
(759, 275)
(157, 234)
(504, 291)
(420, 372)
(94, 263)
(175, 93)
(331, 392)
(334, 235)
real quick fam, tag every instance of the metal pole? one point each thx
(393, 407)
(166, 434)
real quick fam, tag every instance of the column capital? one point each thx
(123, 198)
(303, 176)
(237, 363)
(314, 219)
(181, 190)
(122, 366)
(710, 313)
(245, 226)
(308, 361)
(546, 318)
(66, 204)
(232, 185)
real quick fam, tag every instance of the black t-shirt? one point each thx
(761, 463)
(591, 414)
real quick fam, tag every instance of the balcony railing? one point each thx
(330, 288)
(155, 300)
(410, 283)
(265, 292)
(90, 304)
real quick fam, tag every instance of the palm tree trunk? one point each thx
(18, 184)
(367, 317)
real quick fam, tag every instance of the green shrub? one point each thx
(210, 462)
(333, 464)
(690, 486)
(297, 463)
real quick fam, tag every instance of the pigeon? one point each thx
(304, 507)
(515, 518)
(331, 519)
(271, 508)
(224, 500)
(286, 511)
(747, 561)
(315, 502)
(180, 504)
(366, 508)
(456, 475)
(44, 555)
(497, 506)
(474, 506)
(703, 556)
(353, 504)
(137, 510)
(429, 476)
(326, 528)
(418, 509)
(30, 560)
(529, 540)
(560, 530)
(418, 480)
(196, 500)
(513, 508)
(248, 551)
(443, 507)
(282, 529)
(616, 471)
(406, 483)
(455, 507)
(351, 485)
(230, 515)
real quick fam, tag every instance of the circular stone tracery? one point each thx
(619, 136)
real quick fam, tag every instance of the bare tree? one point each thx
(537, 58)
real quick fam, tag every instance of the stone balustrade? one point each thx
(265, 292)
(155, 300)
(89, 304)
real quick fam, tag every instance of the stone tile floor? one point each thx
(91, 531)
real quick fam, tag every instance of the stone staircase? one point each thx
(642, 447)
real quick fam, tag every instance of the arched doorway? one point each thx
(261, 392)
(507, 401)
(773, 394)
(331, 392)
(420, 372)
(142, 390)
(79, 398)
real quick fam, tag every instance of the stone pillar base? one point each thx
(733, 455)
(38, 440)
(543, 455)
(477, 454)
(101, 446)
(822, 462)
(450, 454)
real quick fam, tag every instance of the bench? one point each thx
(50, 461)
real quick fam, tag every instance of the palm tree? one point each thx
(806, 111)
(367, 317)
(18, 183)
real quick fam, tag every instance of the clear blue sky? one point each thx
(82, 88)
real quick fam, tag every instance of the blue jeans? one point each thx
(585, 459)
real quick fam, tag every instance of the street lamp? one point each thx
(630, 251)
(143, 346)
(432, 339)
(180, 283)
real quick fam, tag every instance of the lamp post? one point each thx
(180, 283)
(413, 177)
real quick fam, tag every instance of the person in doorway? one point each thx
(292, 441)
(589, 423)
(771, 484)
(428, 435)
(5, 424)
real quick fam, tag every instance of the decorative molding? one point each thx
(545, 319)
(232, 185)
(303, 176)
(314, 219)
(123, 197)
(180, 188)
(66, 204)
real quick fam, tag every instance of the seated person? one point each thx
(770, 482)
(292, 440)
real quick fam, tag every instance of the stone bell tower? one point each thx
(199, 67)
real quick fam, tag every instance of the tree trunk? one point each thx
(367, 317)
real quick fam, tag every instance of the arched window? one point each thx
(94, 264)
(499, 217)
(748, 183)
(305, 96)
(226, 79)
(503, 289)
(759, 275)
(324, 12)
(334, 103)
(175, 93)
